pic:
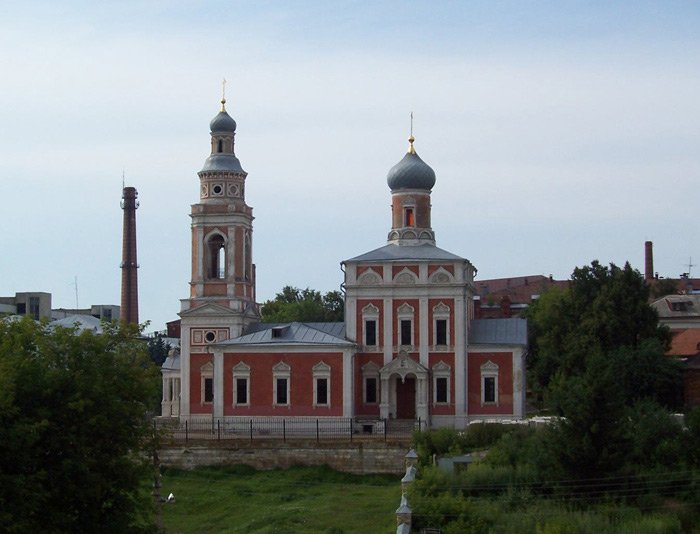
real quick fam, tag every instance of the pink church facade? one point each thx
(409, 349)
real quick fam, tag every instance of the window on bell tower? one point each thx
(216, 257)
(408, 217)
(221, 146)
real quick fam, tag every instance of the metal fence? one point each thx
(256, 428)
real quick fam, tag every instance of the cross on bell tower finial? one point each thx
(411, 139)
(223, 95)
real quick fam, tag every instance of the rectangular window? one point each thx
(21, 308)
(406, 332)
(370, 332)
(34, 307)
(370, 390)
(282, 391)
(321, 391)
(441, 332)
(441, 390)
(241, 391)
(409, 217)
(208, 390)
(489, 389)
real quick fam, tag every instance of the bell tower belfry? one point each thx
(222, 287)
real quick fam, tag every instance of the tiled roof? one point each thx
(425, 251)
(291, 334)
(498, 332)
(685, 343)
(520, 289)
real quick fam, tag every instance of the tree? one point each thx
(158, 349)
(305, 305)
(604, 310)
(596, 350)
(73, 429)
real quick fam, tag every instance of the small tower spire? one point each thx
(223, 95)
(411, 139)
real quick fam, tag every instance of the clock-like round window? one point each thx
(210, 336)
(217, 189)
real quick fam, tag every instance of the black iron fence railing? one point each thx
(319, 429)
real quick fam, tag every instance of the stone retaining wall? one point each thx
(356, 457)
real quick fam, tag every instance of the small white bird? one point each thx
(171, 498)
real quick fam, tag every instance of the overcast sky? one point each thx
(560, 132)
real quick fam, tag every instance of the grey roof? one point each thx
(411, 173)
(498, 332)
(223, 122)
(426, 251)
(171, 363)
(291, 334)
(83, 322)
(222, 162)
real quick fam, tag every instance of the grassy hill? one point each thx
(300, 500)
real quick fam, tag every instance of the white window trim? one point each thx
(405, 312)
(206, 371)
(241, 371)
(441, 312)
(281, 370)
(370, 313)
(442, 370)
(489, 370)
(322, 371)
(370, 370)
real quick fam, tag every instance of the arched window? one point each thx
(216, 257)
(246, 257)
(221, 146)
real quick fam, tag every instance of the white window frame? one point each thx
(241, 371)
(322, 371)
(441, 311)
(281, 370)
(206, 371)
(370, 313)
(489, 370)
(405, 312)
(442, 370)
(370, 370)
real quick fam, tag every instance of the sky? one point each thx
(560, 132)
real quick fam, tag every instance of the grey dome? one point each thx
(222, 162)
(222, 123)
(411, 173)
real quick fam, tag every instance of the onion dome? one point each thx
(411, 172)
(223, 122)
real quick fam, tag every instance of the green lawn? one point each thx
(301, 499)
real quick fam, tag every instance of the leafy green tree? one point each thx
(305, 305)
(73, 430)
(663, 287)
(604, 310)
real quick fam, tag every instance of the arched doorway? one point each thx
(404, 389)
(406, 397)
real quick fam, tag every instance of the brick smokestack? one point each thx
(648, 260)
(130, 290)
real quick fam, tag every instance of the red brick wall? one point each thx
(504, 360)
(301, 384)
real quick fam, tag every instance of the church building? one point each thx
(410, 347)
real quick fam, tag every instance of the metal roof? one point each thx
(83, 322)
(171, 363)
(511, 331)
(426, 251)
(222, 162)
(291, 334)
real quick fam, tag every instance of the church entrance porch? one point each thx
(404, 389)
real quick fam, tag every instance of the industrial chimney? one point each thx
(130, 293)
(648, 260)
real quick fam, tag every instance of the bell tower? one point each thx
(222, 226)
(222, 303)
